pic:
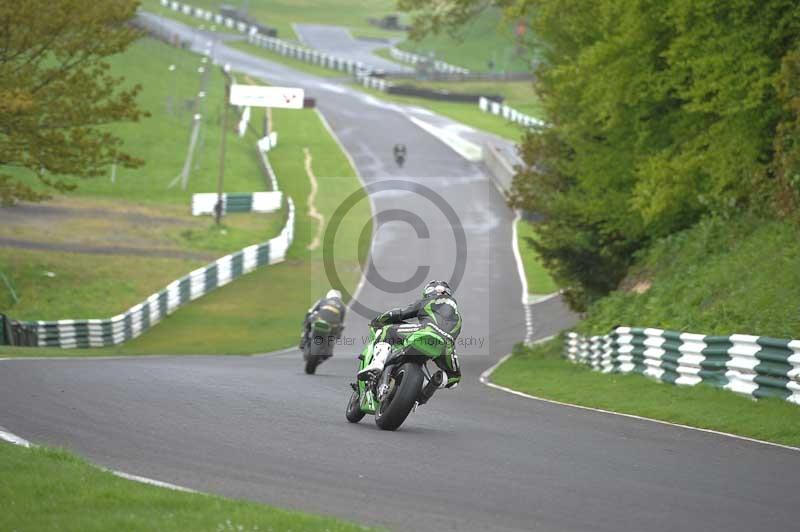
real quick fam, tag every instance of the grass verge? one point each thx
(52, 489)
(539, 280)
(486, 37)
(263, 310)
(543, 372)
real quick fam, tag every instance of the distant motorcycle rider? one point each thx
(330, 309)
(399, 151)
(437, 311)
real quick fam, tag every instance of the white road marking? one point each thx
(16, 440)
(13, 438)
(468, 150)
(522, 279)
(151, 481)
(333, 88)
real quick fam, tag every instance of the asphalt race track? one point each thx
(472, 459)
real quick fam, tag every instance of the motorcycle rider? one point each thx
(330, 309)
(438, 311)
(399, 152)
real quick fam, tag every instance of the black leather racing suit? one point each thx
(331, 310)
(439, 313)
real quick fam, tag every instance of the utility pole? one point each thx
(218, 206)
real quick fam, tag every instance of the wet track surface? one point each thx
(473, 459)
(339, 41)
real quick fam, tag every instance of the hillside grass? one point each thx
(486, 37)
(722, 276)
(53, 489)
(542, 371)
(139, 208)
(163, 138)
(262, 311)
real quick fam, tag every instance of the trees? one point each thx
(659, 112)
(56, 92)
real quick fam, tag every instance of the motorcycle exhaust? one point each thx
(437, 379)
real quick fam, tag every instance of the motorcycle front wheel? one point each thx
(404, 389)
(354, 414)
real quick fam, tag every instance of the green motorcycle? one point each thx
(405, 382)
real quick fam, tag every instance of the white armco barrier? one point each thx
(756, 366)
(204, 203)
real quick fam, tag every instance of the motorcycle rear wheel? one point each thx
(393, 410)
(311, 364)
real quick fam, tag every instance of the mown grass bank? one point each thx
(721, 277)
(145, 209)
(52, 489)
(542, 371)
(263, 310)
(486, 37)
(539, 280)
(260, 312)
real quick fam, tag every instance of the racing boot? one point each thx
(375, 367)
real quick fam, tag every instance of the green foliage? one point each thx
(56, 91)
(660, 113)
(720, 277)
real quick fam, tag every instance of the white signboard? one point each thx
(256, 96)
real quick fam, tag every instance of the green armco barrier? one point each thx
(757, 366)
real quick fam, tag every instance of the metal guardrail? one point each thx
(757, 366)
(416, 59)
(509, 113)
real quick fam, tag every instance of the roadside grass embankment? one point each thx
(145, 208)
(722, 276)
(263, 310)
(542, 371)
(539, 281)
(486, 37)
(52, 489)
(259, 312)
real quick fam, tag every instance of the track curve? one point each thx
(473, 459)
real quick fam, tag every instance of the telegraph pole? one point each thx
(221, 176)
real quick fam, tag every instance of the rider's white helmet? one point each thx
(333, 293)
